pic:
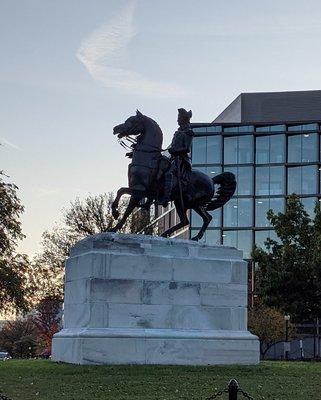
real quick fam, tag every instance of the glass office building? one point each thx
(271, 142)
(269, 162)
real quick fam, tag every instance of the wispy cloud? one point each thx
(6, 142)
(100, 51)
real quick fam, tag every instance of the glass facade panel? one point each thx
(216, 128)
(197, 221)
(269, 181)
(199, 150)
(240, 128)
(302, 148)
(262, 206)
(304, 127)
(270, 128)
(238, 212)
(241, 239)
(238, 150)
(244, 179)
(230, 150)
(270, 149)
(201, 129)
(262, 150)
(309, 205)
(277, 149)
(213, 236)
(206, 150)
(213, 171)
(245, 149)
(213, 151)
(302, 180)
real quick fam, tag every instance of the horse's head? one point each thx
(132, 126)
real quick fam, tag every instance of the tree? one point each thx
(15, 287)
(19, 338)
(47, 319)
(88, 217)
(289, 271)
(268, 324)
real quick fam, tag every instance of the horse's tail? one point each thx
(227, 187)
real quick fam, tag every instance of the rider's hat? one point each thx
(185, 114)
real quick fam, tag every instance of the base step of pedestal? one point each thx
(155, 346)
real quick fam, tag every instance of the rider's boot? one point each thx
(163, 201)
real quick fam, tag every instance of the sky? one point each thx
(70, 70)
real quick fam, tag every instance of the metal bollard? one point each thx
(233, 389)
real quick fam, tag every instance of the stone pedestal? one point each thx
(148, 300)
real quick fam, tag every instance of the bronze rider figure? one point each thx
(179, 150)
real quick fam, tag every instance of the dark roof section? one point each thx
(267, 107)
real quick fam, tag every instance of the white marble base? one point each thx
(155, 346)
(147, 300)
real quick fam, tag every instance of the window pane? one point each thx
(262, 181)
(262, 206)
(271, 128)
(213, 171)
(238, 213)
(309, 179)
(245, 212)
(277, 148)
(216, 218)
(197, 220)
(260, 238)
(270, 149)
(294, 180)
(230, 213)
(309, 145)
(294, 148)
(269, 180)
(302, 180)
(309, 204)
(245, 155)
(230, 150)
(199, 150)
(276, 180)
(244, 243)
(302, 148)
(213, 237)
(216, 128)
(304, 127)
(242, 240)
(244, 179)
(213, 149)
(262, 150)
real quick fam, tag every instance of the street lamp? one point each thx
(286, 343)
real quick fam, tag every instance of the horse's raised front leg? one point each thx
(183, 220)
(114, 206)
(207, 218)
(133, 202)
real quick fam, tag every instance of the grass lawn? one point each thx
(37, 379)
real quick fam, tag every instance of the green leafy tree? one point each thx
(88, 217)
(15, 285)
(289, 271)
(268, 324)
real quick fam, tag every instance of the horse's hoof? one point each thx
(115, 214)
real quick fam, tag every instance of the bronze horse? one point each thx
(146, 178)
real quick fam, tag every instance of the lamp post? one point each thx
(286, 343)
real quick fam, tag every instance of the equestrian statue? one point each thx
(156, 178)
